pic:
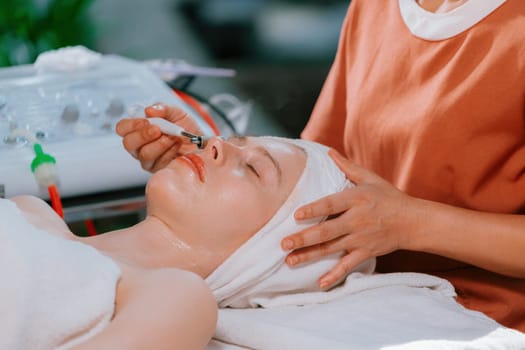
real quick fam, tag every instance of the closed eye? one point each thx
(252, 169)
(242, 140)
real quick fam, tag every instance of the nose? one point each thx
(221, 150)
(215, 146)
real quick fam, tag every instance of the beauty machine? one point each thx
(57, 129)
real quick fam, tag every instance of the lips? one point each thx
(196, 164)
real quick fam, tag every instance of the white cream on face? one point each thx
(239, 172)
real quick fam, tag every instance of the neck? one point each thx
(440, 6)
(153, 244)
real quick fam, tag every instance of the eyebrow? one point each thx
(242, 140)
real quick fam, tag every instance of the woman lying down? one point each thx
(143, 286)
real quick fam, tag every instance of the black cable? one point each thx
(182, 83)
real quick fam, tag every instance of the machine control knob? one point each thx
(70, 114)
(115, 108)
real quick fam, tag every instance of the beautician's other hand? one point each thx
(148, 144)
(372, 219)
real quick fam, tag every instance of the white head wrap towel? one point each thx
(256, 274)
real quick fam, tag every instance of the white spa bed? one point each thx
(389, 311)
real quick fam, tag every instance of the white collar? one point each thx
(438, 26)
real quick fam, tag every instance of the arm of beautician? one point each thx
(494, 242)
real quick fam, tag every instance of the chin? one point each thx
(161, 184)
(154, 182)
(168, 190)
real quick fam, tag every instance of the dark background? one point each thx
(282, 50)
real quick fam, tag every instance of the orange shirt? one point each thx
(442, 120)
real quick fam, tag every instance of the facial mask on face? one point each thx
(257, 273)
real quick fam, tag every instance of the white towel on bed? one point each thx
(55, 293)
(256, 273)
(399, 311)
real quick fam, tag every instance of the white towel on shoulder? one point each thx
(55, 293)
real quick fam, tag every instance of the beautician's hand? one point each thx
(148, 144)
(373, 219)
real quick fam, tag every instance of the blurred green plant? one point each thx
(29, 27)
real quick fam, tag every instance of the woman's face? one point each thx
(220, 196)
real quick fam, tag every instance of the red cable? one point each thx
(193, 103)
(56, 202)
(90, 226)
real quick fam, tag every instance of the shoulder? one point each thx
(174, 281)
(41, 215)
(162, 309)
(168, 299)
(182, 290)
(177, 283)
(28, 200)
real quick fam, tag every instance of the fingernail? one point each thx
(292, 260)
(299, 214)
(288, 244)
(323, 284)
(158, 106)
